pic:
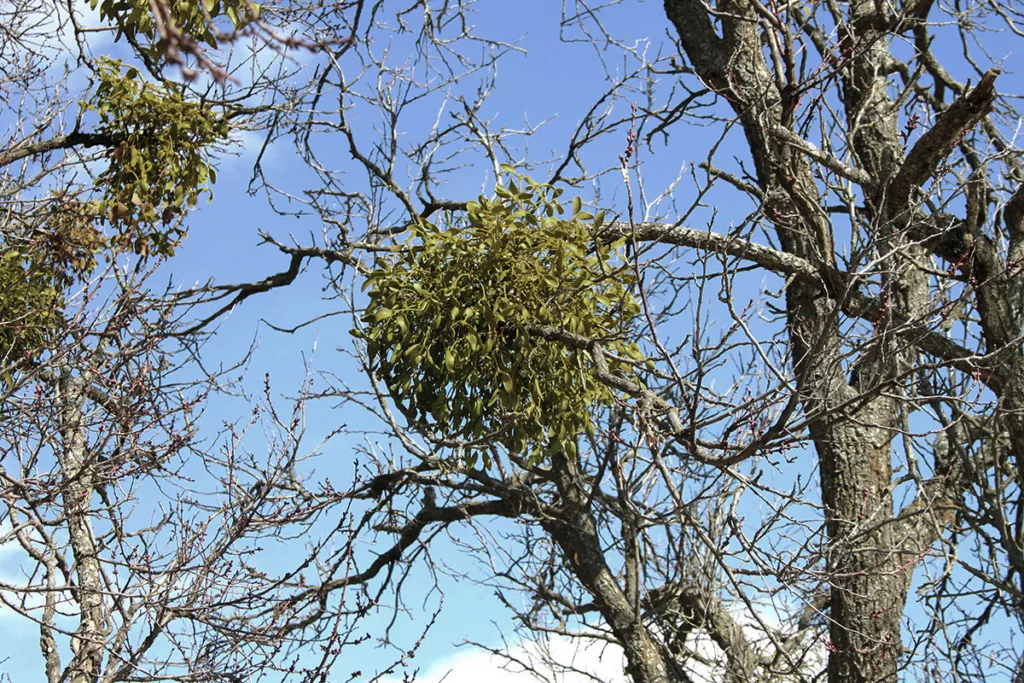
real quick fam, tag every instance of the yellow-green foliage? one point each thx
(28, 301)
(34, 273)
(448, 321)
(159, 168)
(134, 18)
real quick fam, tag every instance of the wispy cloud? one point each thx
(13, 579)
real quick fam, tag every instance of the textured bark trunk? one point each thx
(868, 570)
(87, 644)
(865, 565)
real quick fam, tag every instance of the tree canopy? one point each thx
(729, 384)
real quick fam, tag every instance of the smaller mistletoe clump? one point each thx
(160, 166)
(35, 269)
(452, 322)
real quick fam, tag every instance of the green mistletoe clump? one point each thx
(159, 167)
(453, 321)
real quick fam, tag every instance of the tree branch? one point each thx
(949, 129)
(74, 139)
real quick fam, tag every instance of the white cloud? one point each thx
(560, 659)
(11, 559)
(14, 566)
(88, 19)
(602, 662)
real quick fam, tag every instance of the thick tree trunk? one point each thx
(852, 426)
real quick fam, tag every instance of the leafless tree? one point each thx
(818, 475)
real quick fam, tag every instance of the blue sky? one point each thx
(551, 82)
